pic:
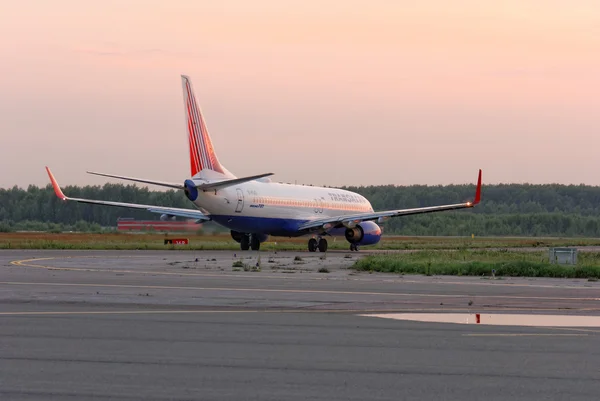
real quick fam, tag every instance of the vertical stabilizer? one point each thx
(202, 153)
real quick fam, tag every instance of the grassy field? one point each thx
(35, 240)
(499, 263)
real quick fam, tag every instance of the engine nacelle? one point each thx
(191, 192)
(165, 217)
(365, 233)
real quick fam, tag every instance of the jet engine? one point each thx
(190, 190)
(365, 233)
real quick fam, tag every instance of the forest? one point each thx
(506, 209)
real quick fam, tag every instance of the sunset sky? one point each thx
(322, 92)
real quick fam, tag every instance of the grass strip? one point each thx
(481, 263)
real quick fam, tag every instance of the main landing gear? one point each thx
(354, 247)
(320, 244)
(249, 241)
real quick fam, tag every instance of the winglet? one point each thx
(57, 189)
(478, 190)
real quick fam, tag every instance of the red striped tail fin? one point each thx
(202, 153)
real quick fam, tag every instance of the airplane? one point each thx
(254, 208)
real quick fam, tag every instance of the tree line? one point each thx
(506, 209)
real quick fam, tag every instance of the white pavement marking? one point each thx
(496, 319)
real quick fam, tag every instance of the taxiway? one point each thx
(188, 325)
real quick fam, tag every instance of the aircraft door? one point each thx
(240, 201)
(318, 206)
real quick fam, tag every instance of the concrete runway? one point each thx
(161, 325)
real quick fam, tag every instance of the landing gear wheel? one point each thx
(254, 242)
(322, 245)
(245, 242)
(353, 247)
(312, 245)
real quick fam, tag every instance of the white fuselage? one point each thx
(277, 208)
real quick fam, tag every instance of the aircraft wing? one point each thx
(352, 220)
(172, 211)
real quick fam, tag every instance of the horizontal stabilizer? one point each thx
(228, 183)
(170, 211)
(159, 183)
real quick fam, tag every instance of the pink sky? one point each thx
(321, 92)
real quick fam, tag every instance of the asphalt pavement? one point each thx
(158, 325)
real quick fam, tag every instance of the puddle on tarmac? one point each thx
(497, 319)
